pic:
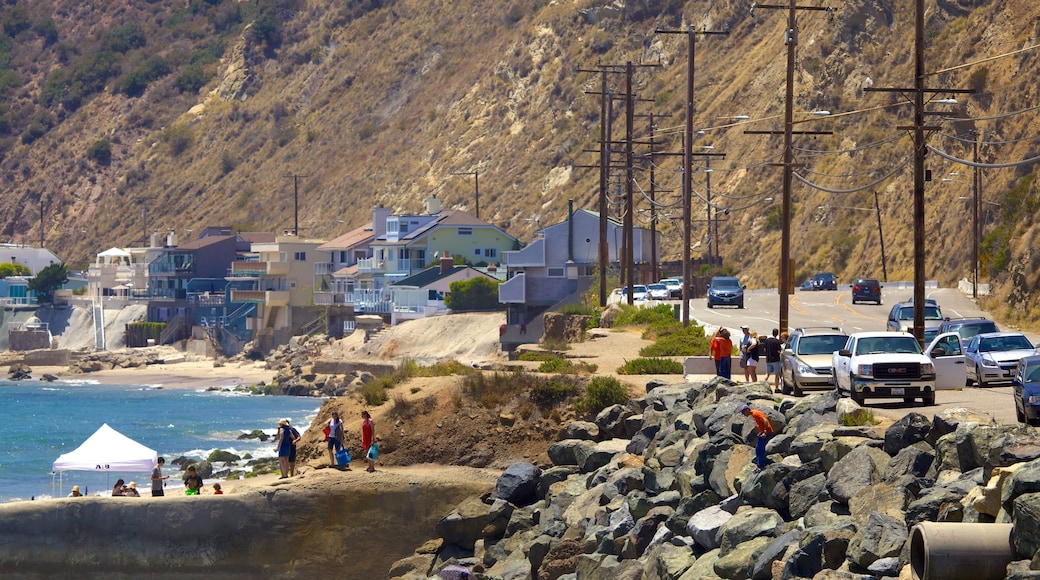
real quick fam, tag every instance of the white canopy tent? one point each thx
(107, 450)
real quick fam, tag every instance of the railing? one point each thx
(251, 269)
(269, 297)
(513, 290)
(533, 256)
(370, 265)
(323, 269)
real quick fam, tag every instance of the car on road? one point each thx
(1026, 385)
(901, 317)
(658, 291)
(866, 290)
(993, 356)
(725, 291)
(825, 281)
(967, 328)
(674, 286)
(892, 365)
(805, 362)
(639, 292)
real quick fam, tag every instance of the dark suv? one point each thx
(866, 290)
(967, 328)
(725, 291)
(824, 281)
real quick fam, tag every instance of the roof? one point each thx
(257, 237)
(350, 239)
(346, 272)
(433, 274)
(204, 242)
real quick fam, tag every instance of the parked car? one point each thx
(866, 290)
(1026, 384)
(805, 362)
(887, 365)
(725, 291)
(674, 287)
(901, 317)
(967, 328)
(658, 291)
(639, 292)
(824, 281)
(993, 356)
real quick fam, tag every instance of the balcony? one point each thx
(533, 256)
(513, 290)
(370, 265)
(267, 297)
(254, 269)
(324, 269)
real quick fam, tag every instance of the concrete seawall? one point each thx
(351, 524)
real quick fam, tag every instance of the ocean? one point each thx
(43, 420)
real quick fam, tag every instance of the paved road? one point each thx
(835, 308)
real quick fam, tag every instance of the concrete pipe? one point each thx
(951, 551)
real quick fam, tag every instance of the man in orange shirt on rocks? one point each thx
(765, 429)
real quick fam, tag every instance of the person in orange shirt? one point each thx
(716, 349)
(765, 429)
(724, 348)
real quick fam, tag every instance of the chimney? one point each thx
(447, 263)
(433, 205)
(379, 215)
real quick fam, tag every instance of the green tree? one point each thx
(48, 281)
(100, 152)
(477, 294)
(14, 269)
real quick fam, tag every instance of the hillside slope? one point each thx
(124, 118)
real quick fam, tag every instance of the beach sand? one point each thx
(188, 374)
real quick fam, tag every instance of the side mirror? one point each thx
(844, 352)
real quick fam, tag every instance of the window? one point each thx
(465, 231)
(476, 251)
(555, 272)
(391, 226)
(404, 227)
(490, 252)
(300, 256)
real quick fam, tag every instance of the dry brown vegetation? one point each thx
(379, 102)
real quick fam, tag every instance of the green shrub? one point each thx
(477, 294)
(689, 341)
(537, 355)
(601, 393)
(553, 391)
(191, 79)
(555, 344)
(631, 315)
(565, 366)
(134, 84)
(374, 393)
(651, 366)
(859, 417)
(179, 137)
(100, 152)
(661, 328)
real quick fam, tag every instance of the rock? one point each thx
(415, 564)
(563, 452)
(518, 484)
(611, 421)
(946, 422)
(909, 429)
(821, 548)
(1024, 480)
(762, 569)
(882, 536)
(591, 457)
(738, 562)
(551, 476)
(928, 506)
(805, 493)
(1026, 530)
(910, 461)
(561, 559)
(748, 524)
(668, 562)
(854, 471)
(474, 519)
(704, 526)
(583, 430)
(883, 498)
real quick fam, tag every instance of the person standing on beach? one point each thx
(754, 352)
(335, 437)
(368, 432)
(744, 342)
(284, 447)
(192, 483)
(716, 349)
(292, 452)
(725, 354)
(158, 479)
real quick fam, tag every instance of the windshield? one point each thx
(1033, 374)
(888, 344)
(930, 313)
(722, 283)
(1005, 343)
(969, 330)
(824, 344)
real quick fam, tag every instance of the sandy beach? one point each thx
(189, 374)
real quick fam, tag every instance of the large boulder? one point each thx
(881, 536)
(592, 457)
(611, 421)
(856, 470)
(748, 524)
(473, 519)
(518, 484)
(583, 430)
(704, 526)
(909, 429)
(1026, 531)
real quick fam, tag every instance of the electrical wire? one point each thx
(949, 157)
(853, 190)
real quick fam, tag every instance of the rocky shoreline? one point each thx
(665, 488)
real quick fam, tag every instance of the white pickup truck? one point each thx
(892, 365)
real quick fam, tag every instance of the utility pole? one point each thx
(881, 237)
(296, 202)
(785, 285)
(476, 186)
(691, 54)
(917, 130)
(976, 232)
(41, 220)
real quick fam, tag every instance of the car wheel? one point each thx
(929, 399)
(853, 301)
(798, 392)
(1019, 414)
(978, 379)
(710, 305)
(741, 305)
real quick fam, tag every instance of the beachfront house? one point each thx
(559, 262)
(279, 285)
(422, 294)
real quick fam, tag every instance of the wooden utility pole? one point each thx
(296, 202)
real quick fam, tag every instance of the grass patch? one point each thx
(566, 366)
(689, 341)
(555, 344)
(859, 417)
(601, 393)
(537, 355)
(553, 391)
(631, 316)
(374, 393)
(651, 366)
(490, 390)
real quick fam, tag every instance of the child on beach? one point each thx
(158, 479)
(217, 490)
(368, 446)
(193, 482)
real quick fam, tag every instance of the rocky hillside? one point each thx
(119, 119)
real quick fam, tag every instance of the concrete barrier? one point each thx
(698, 365)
